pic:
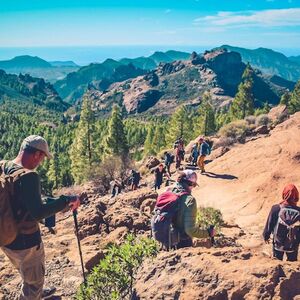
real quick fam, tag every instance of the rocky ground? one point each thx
(243, 183)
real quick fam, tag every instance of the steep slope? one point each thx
(37, 67)
(172, 84)
(251, 177)
(269, 61)
(29, 89)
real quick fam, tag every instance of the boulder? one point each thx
(278, 113)
(89, 222)
(263, 129)
(152, 162)
(147, 206)
(122, 215)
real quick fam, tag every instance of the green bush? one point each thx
(234, 129)
(263, 120)
(207, 216)
(113, 278)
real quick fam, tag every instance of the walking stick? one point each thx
(212, 239)
(79, 246)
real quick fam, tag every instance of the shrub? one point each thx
(262, 120)
(250, 120)
(207, 216)
(109, 169)
(223, 142)
(234, 129)
(113, 278)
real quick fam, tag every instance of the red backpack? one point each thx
(165, 210)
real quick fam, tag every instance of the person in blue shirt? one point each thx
(204, 150)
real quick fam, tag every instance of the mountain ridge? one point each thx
(268, 61)
(183, 82)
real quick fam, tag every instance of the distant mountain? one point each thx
(28, 89)
(38, 67)
(151, 62)
(269, 61)
(295, 59)
(183, 82)
(68, 63)
(23, 62)
(103, 74)
(99, 76)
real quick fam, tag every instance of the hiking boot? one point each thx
(48, 292)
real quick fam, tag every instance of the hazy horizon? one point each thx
(83, 55)
(179, 25)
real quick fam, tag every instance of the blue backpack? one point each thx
(165, 210)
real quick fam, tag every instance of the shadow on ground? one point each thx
(220, 176)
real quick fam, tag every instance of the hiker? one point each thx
(24, 246)
(195, 154)
(284, 224)
(116, 187)
(159, 173)
(179, 146)
(169, 159)
(134, 179)
(204, 150)
(174, 221)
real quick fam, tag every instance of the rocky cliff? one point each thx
(183, 82)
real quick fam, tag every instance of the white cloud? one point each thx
(272, 17)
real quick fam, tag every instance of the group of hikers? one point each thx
(173, 223)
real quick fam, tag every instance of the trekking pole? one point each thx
(212, 238)
(79, 246)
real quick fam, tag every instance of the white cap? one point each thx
(191, 176)
(37, 142)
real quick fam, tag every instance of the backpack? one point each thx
(8, 218)
(161, 223)
(287, 229)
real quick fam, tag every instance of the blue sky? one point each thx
(248, 23)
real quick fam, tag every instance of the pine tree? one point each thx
(54, 168)
(116, 141)
(180, 125)
(159, 140)
(243, 103)
(82, 150)
(294, 104)
(285, 98)
(205, 123)
(148, 147)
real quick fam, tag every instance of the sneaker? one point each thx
(48, 292)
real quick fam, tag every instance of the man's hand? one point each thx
(74, 203)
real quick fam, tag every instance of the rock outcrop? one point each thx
(173, 83)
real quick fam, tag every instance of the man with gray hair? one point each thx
(26, 251)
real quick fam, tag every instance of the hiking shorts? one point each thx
(30, 263)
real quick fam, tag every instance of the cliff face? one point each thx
(183, 82)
